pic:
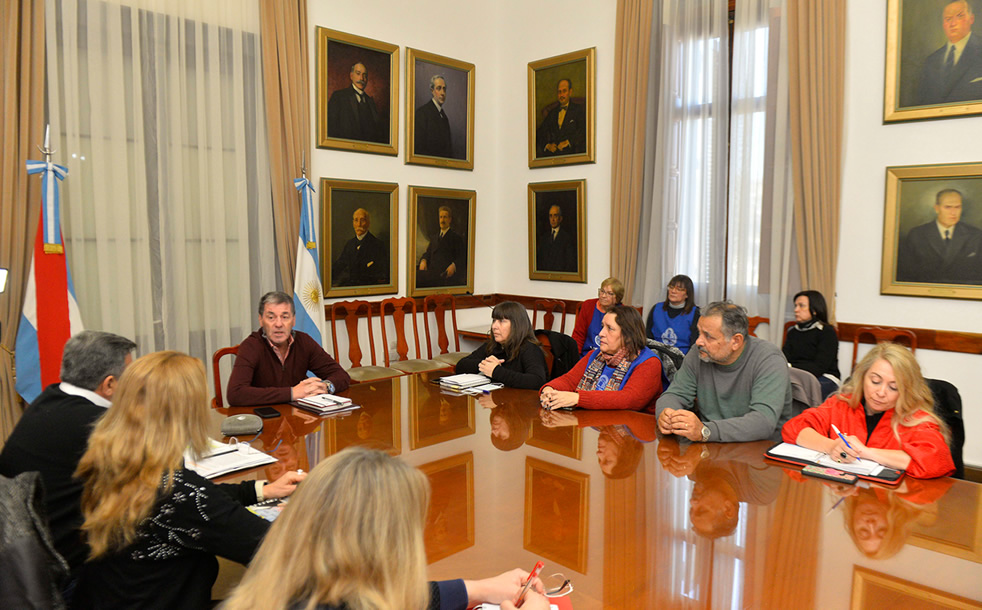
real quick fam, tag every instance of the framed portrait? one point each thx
(441, 241)
(562, 108)
(450, 520)
(439, 110)
(357, 93)
(557, 507)
(360, 229)
(877, 591)
(557, 231)
(436, 416)
(932, 243)
(377, 424)
(932, 70)
(562, 440)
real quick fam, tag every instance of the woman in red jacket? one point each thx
(591, 313)
(621, 374)
(886, 413)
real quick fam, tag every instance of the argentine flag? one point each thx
(307, 285)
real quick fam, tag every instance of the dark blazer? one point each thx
(348, 119)
(572, 129)
(527, 372)
(432, 135)
(362, 263)
(962, 85)
(923, 258)
(556, 254)
(438, 256)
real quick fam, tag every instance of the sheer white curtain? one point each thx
(686, 195)
(157, 109)
(760, 197)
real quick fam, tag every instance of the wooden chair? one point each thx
(351, 312)
(879, 334)
(441, 304)
(550, 308)
(754, 322)
(787, 327)
(216, 402)
(401, 308)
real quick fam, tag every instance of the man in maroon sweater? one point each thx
(272, 363)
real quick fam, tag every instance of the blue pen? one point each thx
(836, 430)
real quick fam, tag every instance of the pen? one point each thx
(836, 505)
(836, 430)
(528, 583)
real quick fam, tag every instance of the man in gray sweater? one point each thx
(740, 383)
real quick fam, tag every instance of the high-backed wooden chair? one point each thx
(441, 304)
(754, 322)
(550, 308)
(216, 402)
(399, 309)
(351, 312)
(787, 327)
(879, 334)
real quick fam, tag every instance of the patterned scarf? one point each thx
(594, 371)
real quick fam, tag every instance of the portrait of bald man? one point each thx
(953, 73)
(364, 260)
(352, 113)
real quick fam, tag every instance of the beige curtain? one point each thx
(21, 128)
(816, 53)
(631, 61)
(285, 76)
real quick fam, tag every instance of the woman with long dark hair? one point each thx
(512, 355)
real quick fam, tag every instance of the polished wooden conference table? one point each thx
(635, 520)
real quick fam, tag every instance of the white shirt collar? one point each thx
(438, 106)
(959, 47)
(89, 395)
(942, 229)
(362, 92)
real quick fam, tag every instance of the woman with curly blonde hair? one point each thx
(885, 410)
(154, 526)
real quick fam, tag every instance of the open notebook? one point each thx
(224, 458)
(867, 469)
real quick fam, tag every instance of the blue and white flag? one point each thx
(307, 291)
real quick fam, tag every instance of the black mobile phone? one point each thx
(267, 412)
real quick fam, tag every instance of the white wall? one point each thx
(870, 146)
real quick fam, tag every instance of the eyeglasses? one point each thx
(605, 293)
(557, 585)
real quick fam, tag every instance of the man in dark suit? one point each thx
(953, 73)
(351, 112)
(563, 131)
(432, 136)
(364, 260)
(445, 261)
(557, 246)
(944, 251)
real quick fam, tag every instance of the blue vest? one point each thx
(608, 371)
(674, 332)
(592, 340)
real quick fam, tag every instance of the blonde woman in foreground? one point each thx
(154, 526)
(352, 538)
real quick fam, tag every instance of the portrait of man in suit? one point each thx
(557, 243)
(946, 250)
(364, 260)
(953, 72)
(563, 131)
(432, 137)
(444, 262)
(352, 113)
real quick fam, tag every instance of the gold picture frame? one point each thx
(456, 245)
(559, 258)
(352, 264)
(572, 139)
(872, 590)
(365, 120)
(916, 261)
(450, 519)
(557, 513)
(916, 86)
(437, 417)
(439, 133)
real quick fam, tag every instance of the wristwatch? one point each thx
(705, 433)
(330, 386)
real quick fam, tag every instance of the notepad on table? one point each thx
(860, 466)
(464, 380)
(324, 404)
(222, 458)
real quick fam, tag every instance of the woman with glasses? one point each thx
(673, 322)
(589, 320)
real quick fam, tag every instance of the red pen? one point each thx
(528, 583)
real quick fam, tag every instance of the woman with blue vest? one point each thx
(673, 322)
(590, 316)
(622, 373)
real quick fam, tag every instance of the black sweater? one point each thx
(527, 372)
(813, 349)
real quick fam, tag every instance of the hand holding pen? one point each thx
(844, 449)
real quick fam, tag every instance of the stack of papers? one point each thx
(464, 380)
(221, 459)
(324, 404)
